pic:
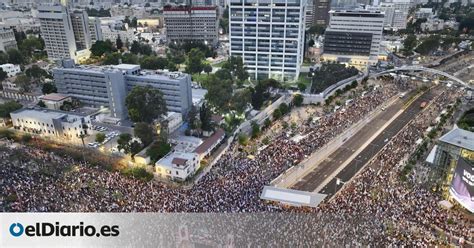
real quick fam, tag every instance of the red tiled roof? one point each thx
(217, 135)
(179, 161)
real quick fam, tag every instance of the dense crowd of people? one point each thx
(33, 180)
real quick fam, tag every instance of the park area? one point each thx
(329, 74)
(467, 120)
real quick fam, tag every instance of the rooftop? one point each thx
(460, 138)
(41, 113)
(176, 158)
(54, 97)
(209, 142)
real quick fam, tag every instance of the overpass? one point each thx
(424, 69)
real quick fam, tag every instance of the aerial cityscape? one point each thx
(317, 123)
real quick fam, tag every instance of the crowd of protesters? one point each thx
(33, 180)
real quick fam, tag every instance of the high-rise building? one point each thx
(66, 33)
(108, 86)
(95, 29)
(269, 36)
(321, 12)
(395, 14)
(353, 37)
(191, 23)
(80, 27)
(7, 39)
(57, 31)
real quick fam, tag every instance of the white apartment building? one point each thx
(57, 32)
(11, 69)
(7, 39)
(269, 36)
(112, 34)
(177, 165)
(51, 123)
(191, 23)
(395, 19)
(353, 37)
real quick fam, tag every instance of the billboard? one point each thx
(462, 186)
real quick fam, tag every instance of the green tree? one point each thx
(29, 45)
(316, 29)
(100, 47)
(194, 62)
(3, 75)
(49, 88)
(145, 104)
(8, 107)
(284, 108)
(3, 58)
(192, 120)
(100, 137)
(240, 100)
(129, 58)
(429, 45)
(298, 100)
(207, 69)
(119, 43)
(123, 142)
(276, 114)
(205, 117)
(409, 44)
(219, 93)
(135, 147)
(112, 59)
(153, 62)
(302, 87)
(144, 132)
(255, 129)
(41, 104)
(15, 57)
(23, 82)
(158, 150)
(26, 138)
(35, 72)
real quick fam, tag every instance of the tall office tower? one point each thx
(353, 37)
(95, 29)
(321, 12)
(191, 23)
(309, 13)
(269, 36)
(80, 26)
(57, 31)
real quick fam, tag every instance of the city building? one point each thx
(455, 152)
(321, 12)
(55, 100)
(177, 166)
(95, 29)
(191, 23)
(424, 13)
(107, 86)
(57, 31)
(51, 123)
(7, 39)
(353, 37)
(204, 149)
(112, 34)
(11, 69)
(395, 19)
(268, 36)
(81, 29)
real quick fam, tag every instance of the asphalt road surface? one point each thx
(316, 178)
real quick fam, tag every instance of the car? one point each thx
(91, 144)
(383, 108)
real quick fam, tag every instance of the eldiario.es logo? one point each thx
(46, 229)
